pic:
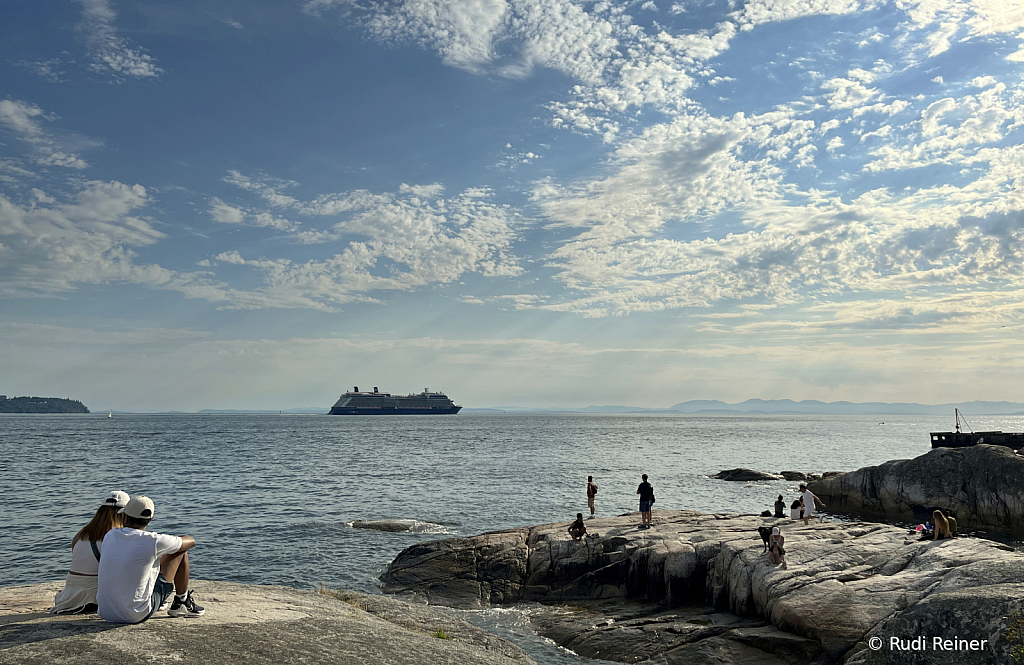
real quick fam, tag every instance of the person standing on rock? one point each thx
(646, 492)
(135, 568)
(807, 499)
(591, 493)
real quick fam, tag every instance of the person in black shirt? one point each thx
(578, 529)
(780, 507)
(646, 492)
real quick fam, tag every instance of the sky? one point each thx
(261, 204)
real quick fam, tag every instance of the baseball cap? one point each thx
(117, 498)
(139, 507)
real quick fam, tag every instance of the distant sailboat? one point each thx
(111, 414)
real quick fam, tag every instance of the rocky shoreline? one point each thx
(983, 485)
(696, 588)
(250, 624)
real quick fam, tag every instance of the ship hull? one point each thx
(392, 411)
(965, 439)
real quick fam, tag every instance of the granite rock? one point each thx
(845, 582)
(746, 475)
(250, 624)
(982, 485)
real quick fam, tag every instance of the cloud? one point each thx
(391, 242)
(49, 247)
(952, 129)
(848, 94)
(46, 69)
(462, 33)
(111, 53)
(225, 214)
(23, 121)
(757, 12)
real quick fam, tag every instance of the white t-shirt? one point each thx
(83, 561)
(808, 503)
(128, 570)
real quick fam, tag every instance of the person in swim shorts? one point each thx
(137, 565)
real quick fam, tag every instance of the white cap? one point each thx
(117, 498)
(775, 531)
(139, 507)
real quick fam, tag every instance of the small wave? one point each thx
(399, 526)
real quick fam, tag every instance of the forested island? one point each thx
(41, 405)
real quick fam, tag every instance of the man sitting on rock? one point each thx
(578, 529)
(136, 565)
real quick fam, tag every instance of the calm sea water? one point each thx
(269, 498)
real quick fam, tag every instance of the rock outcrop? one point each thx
(845, 583)
(799, 475)
(982, 485)
(745, 475)
(249, 624)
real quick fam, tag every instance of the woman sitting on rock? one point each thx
(941, 526)
(777, 551)
(79, 593)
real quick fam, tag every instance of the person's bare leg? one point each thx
(175, 567)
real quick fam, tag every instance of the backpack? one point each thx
(594, 486)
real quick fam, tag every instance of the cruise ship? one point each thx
(355, 403)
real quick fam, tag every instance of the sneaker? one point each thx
(185, 608)
(164, 605)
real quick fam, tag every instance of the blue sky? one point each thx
(518, 202)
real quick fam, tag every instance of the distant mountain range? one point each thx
(788, 406)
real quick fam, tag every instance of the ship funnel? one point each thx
(375, 389)
(355, 389)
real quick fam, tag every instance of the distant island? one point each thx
(41, 405)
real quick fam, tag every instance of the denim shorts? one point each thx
(162, 589)
(645, 506)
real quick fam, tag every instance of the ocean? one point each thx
(270, 498)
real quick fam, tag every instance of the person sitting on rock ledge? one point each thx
(780, 507)
(79, 593)
(777, 551)
(135, 568)
(941, 526)
(578, 529)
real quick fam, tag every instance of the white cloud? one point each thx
(461, 32)
(49, 70)
(984, 118)
(834, 143)
(392, 242)
(848, 94)
(49, 247)
(757, 12)
(225, 214)
(23, 120)
(111, 53)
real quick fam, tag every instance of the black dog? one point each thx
(765, 532)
